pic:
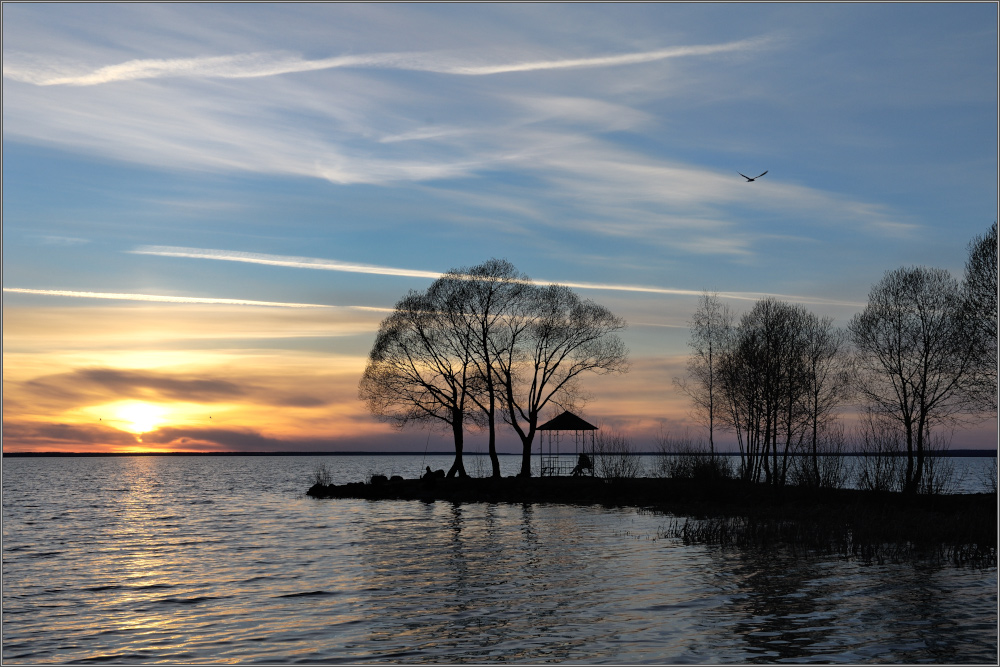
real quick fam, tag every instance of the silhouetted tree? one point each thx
(545, 344)
(764, 382)
(980, 290)
(775, 379)
(487, 337)
(913, 354)
(711, 334)
(420, 367)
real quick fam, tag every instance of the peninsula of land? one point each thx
(874, 525)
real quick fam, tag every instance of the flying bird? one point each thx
(750, 180)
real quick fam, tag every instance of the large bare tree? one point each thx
(547, 342)
(913, 354)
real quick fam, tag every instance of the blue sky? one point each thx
(337, 155)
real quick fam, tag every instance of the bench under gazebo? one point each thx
(563, 446)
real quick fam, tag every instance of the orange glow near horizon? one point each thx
(180, 378)
(190, 379)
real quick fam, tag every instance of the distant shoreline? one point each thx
(954, 453)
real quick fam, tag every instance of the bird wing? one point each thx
(744, 176)
(760, 175)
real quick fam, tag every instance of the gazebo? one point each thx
(554, 454)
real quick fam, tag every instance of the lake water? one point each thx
(225, 560)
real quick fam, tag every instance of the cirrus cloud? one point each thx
(254, 65)
(335, 265)
(159, 298)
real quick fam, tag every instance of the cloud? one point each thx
(334, 265)
(93, 385)
(193, 439)
(614, 60)
(160, 298)
(281, 260)
(250, 440)
(168, 386)
(223, 128)
(360, 129)
(60, 240)
(31, 436)
(425, 133)
(265, 64)
(82, 438)
(606, 116)
(111, 383)
(24, 436)
(140, 334)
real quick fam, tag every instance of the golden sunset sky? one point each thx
(209, 208)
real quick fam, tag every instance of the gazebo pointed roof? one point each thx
(567, 421)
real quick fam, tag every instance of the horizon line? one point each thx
(958, 452)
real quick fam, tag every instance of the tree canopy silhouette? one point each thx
(913, 355)
(483, 342)
(776, 379)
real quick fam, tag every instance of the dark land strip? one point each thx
(873, 526)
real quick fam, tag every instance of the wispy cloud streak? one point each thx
(333, 265)
(608, 61)
(253, 65)
(160, 298)
(281, 260)
(739, 296)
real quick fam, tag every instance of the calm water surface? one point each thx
(213, 560)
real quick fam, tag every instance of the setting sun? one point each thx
(137, 417)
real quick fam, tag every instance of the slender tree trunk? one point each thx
(919, 473)
(458, 467)
(815, 447)
(908, 486)
(494, 459)
(526, 442)
(492, 391)
(526, 456)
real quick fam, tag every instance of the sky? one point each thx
(209, 208)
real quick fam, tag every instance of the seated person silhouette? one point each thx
(583, 464)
